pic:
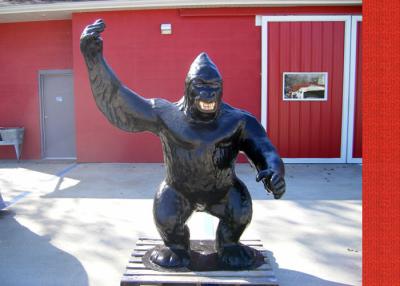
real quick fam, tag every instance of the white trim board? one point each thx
(313, 160)
(346, 73)
(352, 89)
(264, 71)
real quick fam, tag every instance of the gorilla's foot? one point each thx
(236, 256)
(169, 257)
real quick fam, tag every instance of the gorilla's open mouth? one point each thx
(207, 106)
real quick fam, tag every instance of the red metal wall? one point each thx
(152, 64)
(25, 49)
(305, 129)
(155, 65)
(357, 145)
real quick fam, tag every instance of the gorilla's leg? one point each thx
(234, 212)
(171, 210)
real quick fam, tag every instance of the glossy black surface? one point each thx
(201, 137)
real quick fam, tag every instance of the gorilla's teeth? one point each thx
(207, 106)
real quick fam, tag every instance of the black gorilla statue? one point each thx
(201, 137)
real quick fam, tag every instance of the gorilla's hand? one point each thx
(91, 42)
(273, 182)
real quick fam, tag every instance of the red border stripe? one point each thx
(381, 156)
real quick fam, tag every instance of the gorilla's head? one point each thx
(203, 89)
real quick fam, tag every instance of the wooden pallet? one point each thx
(138, 273)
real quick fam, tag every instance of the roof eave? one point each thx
(61, 11)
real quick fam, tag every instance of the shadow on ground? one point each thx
(291, 277)
(319, 216)
(30, 259)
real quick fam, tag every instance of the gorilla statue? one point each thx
(201, 137)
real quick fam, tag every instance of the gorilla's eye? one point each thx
(211, 84)
(215, 84)
(198, 84)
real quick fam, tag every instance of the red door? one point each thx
(357, 136)
(305, 129)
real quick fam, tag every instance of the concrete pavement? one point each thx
(76, 224)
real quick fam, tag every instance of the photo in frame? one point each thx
(305, 86)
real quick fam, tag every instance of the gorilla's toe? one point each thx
(236, 256)
(170, 258)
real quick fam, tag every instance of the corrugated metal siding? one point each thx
(357, 145)
(306, 129)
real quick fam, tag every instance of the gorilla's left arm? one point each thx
(260, 151)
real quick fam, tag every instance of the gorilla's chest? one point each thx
(200, 168)
(220, 134)
(197, 147)
(199, 158)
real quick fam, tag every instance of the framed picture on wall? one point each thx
(305, 86)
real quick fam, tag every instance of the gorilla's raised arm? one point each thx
(123, 108)
(264, 156)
